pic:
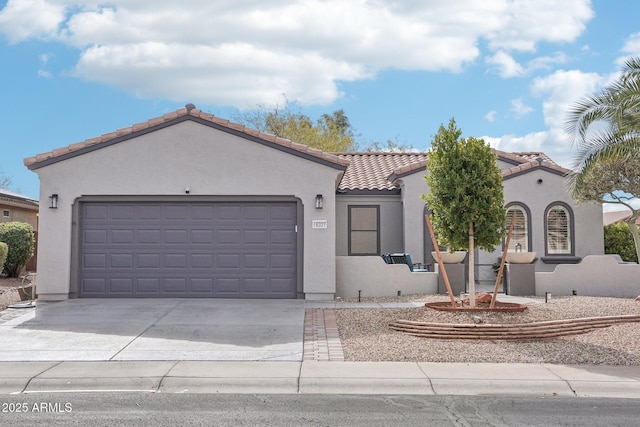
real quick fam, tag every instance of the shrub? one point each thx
(4, 250)
(618, 240)
(21, 241)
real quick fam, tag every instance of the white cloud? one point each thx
(631, 48)
(519, 108)
(560, 90)
(24, 19)
(491, 116)
(249, 51)
(506, 65)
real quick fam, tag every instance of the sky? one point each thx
(507, 70)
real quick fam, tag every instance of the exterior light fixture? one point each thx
(319, 201)
(53, 201)
(518, 247)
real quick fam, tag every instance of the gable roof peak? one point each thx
(188, 112)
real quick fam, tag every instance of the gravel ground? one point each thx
(366, 336)
(9, 292)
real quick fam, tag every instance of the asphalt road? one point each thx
(116, 409)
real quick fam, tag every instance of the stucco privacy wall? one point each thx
(165, 162)
(526, 189)
(596, 275)
(374, 278)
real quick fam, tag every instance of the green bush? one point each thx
(21, 241)
(618, 240)
(4, 250)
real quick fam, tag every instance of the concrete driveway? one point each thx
(156, 329)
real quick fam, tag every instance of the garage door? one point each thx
(195, 249)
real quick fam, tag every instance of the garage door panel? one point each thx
(256, 237)
(175, 261)
(121, 285)
(175, 237)
(202, 261)
(122, 212)
(228, 261)
(229, 237)
(197, 249)
(98, 261)
(255, 261)
(228, 285)
(148, 286)
(122, 261)
(255, 285)
(204, 237)
(122, 236)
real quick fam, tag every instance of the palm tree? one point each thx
(606, 125)
(606, 128)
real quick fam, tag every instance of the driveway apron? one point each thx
(156, 329)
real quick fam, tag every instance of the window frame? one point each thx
(350, 230)
(527, 212)
(570, 230)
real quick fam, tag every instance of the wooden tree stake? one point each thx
(502, 261)
(445, 278)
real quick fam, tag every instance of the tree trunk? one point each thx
(472, 278)
(633, 227)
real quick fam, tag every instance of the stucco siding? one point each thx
(391, 229)
(537, 196)
(166, 162)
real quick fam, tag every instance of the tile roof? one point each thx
(379, 171)
(370, 171)
(535, 164)
(189, 111)
(617, 216)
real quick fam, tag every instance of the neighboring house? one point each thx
(617, 216)
(20, 208)
(16, 207)
(191, 205)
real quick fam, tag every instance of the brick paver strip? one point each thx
(321, 338)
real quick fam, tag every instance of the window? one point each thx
(364, 230)
(5, 214)
(559, 235)
(520, 233)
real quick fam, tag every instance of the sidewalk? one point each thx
(311, 377)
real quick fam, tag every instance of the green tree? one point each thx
(465, 194)
(612, 181)
(331, 132)
(618, 240)
(21, 241)
(4, 250)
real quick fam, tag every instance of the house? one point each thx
(191, 205)
(20, 208)
(16, 207)
(617, 216)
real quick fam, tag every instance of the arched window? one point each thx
(520, 234)
(559, 229)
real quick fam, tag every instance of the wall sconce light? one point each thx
(518, 247)
(319, 201)
(53, 201)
